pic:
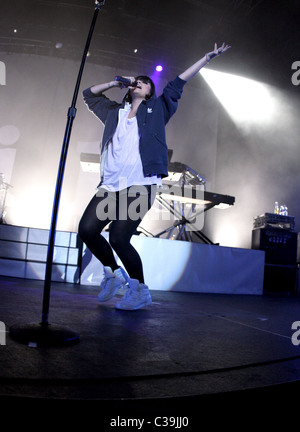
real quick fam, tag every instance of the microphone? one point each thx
(125, 82)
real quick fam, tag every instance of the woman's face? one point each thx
(143, 88)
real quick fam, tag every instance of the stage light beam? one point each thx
(247, 101)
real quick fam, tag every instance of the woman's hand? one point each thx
(195, 68)
(217, 51)
(121, 85)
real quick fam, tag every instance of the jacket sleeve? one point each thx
(100, 105)
(170, 97)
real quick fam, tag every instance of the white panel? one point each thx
(12, 268)
(73, 256)
(37, 271)
(62, 238)
(168, 265)
(190, 267)
(14, 233)
(73, 240)
(37, 252)
(38, 236)
(72, 275)
(91, 269)
(60, 255)
(193, 267)
(10, 249)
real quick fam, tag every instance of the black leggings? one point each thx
(106, 207)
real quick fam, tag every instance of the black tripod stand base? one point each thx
(41, 335)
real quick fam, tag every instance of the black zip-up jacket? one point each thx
(152, 116)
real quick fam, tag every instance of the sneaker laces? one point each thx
(131, 294)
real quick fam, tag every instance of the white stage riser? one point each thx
(23, 254)
(168, 264)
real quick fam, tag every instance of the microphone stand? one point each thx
(43, 333)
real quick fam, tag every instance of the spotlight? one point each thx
(247, 101)
(159, 68)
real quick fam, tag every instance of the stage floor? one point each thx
(186, 345)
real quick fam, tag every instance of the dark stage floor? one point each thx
(183, 348)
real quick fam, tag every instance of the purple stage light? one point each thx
(159, 68)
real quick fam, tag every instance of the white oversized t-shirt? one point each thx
(123, 167)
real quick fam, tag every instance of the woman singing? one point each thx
(134, 159)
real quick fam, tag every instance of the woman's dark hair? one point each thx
(146, 80)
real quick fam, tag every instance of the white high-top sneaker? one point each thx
(112, 283)
(137, 296)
